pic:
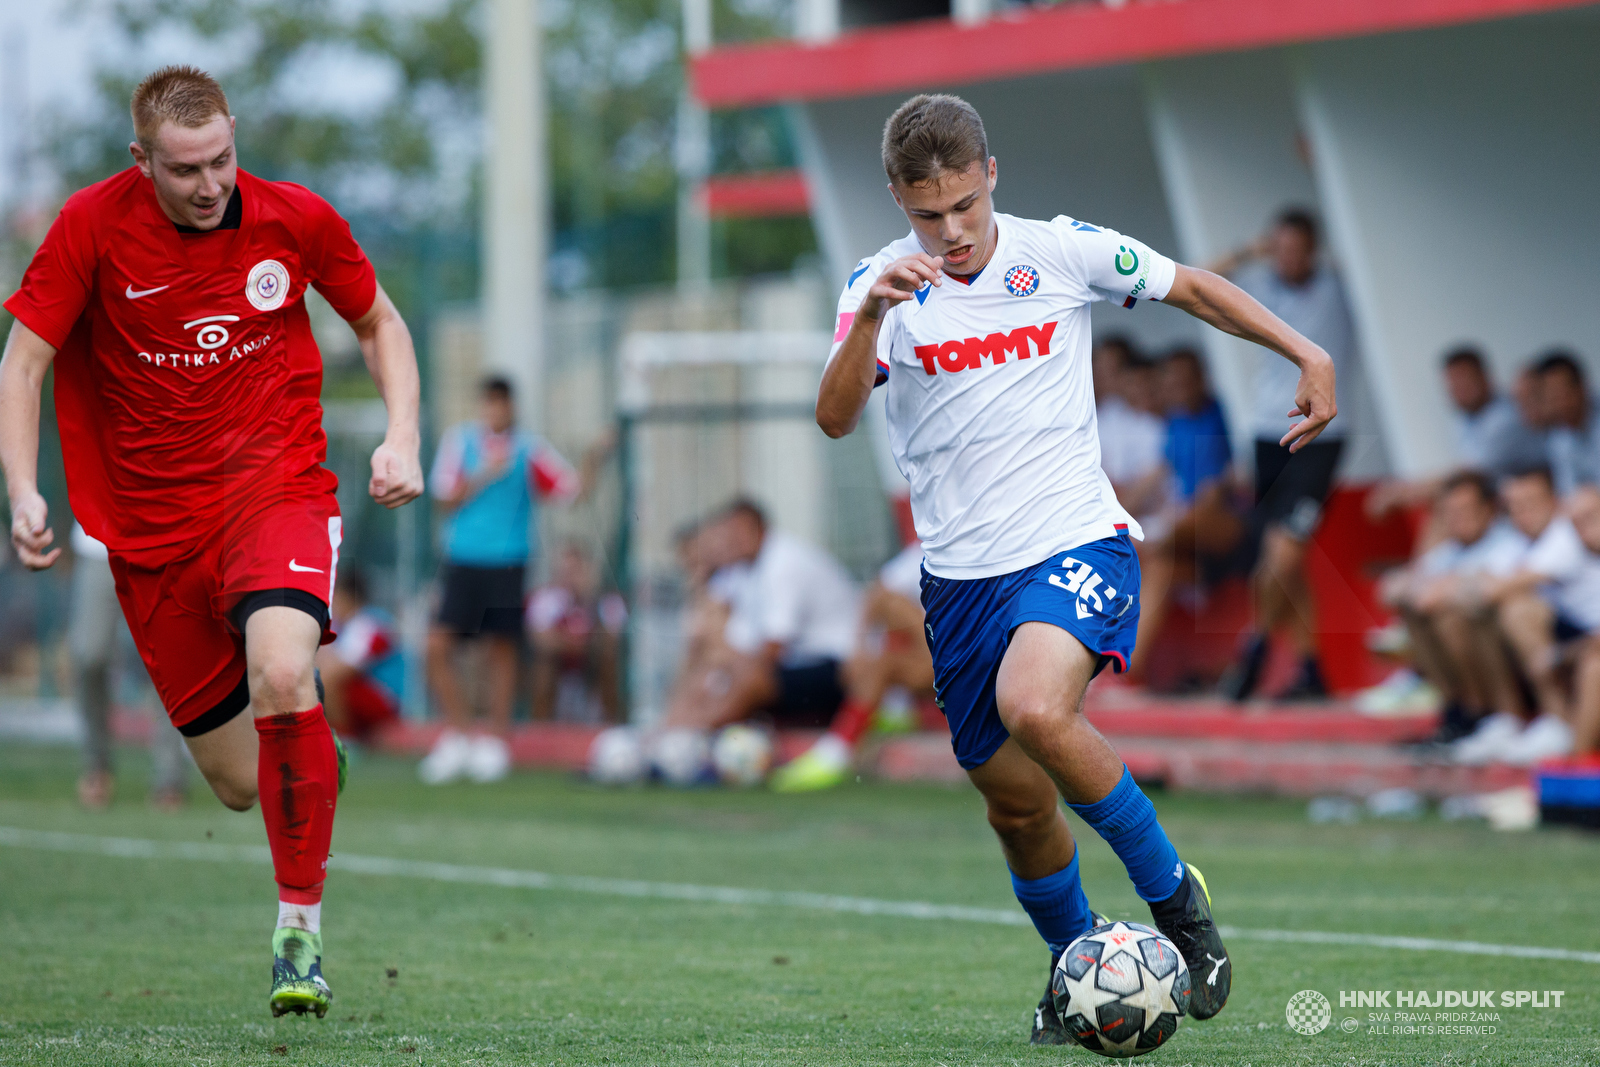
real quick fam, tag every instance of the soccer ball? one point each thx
(742, 754)
(682, 757)
(1121, 989)
(616, 756)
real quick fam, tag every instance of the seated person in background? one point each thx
(363, 672)
(1439, 596)
(1551, 599)
(1573, 419)
(1583, 507)
(712, 579)
(1494, 433)
(576, 632)
(1198, 457)
(1132, 445)
(891, 650)
(792, 627)
(1132, 439)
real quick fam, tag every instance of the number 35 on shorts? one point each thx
(1093, 595)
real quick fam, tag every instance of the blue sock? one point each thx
(1127, 820)
(1056, 904)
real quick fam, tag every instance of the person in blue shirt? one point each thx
(488, 477)
(1199, 461)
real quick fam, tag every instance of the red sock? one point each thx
(298, 777)
(852, 720)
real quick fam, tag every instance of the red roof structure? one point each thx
(911, 55)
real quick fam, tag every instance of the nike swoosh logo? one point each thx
(308, 570)
(133, 294)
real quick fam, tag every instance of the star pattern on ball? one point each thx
(1086, 997)
(1154, 996)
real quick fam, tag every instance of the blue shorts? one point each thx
(1091, 591)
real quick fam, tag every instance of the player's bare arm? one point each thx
(392, 361)
(1217, 301)
(22, 371)
(847, 380)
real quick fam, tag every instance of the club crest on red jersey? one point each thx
(268, 285)
(1022, 280)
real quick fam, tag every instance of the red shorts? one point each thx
(178, 608)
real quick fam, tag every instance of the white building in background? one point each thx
(1450, 146)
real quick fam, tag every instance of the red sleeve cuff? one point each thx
(353, 299)
(38, 321)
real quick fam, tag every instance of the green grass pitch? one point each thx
(131, 961)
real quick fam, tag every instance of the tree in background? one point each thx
(376, 104)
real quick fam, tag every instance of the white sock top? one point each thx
(307, 917)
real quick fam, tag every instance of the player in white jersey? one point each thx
(979, 325)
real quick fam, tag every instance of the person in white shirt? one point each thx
(791, 627)
(1132, 438)
(1583, 508)
(979, 323)
(1133, 453)
(1552, 598)
(1441, 594)
(575, 630)
(891, 652)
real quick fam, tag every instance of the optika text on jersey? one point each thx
(196, 360)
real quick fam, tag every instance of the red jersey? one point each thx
(187, 381)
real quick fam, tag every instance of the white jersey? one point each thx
(991, 401)
(799, 597)
(1574, 572)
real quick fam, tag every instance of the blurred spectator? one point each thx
(487, 477)
(1284, 272)
(363, 671)
(576, 632)
(1131, 437)
(1439, 598)
(1494, 433)
(1573, 420)
(714, 578)
(1551, 600)
(891, 651)
(1583, 507)
(1204, 524)
(92, 645)
(792, 626)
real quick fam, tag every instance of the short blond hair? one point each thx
(185, 95)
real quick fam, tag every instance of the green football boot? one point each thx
(297, 983)
(1048, 1028)
(1186, 921)
(810, 772)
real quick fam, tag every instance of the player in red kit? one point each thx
(170, 298)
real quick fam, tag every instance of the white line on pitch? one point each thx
(146, 849)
